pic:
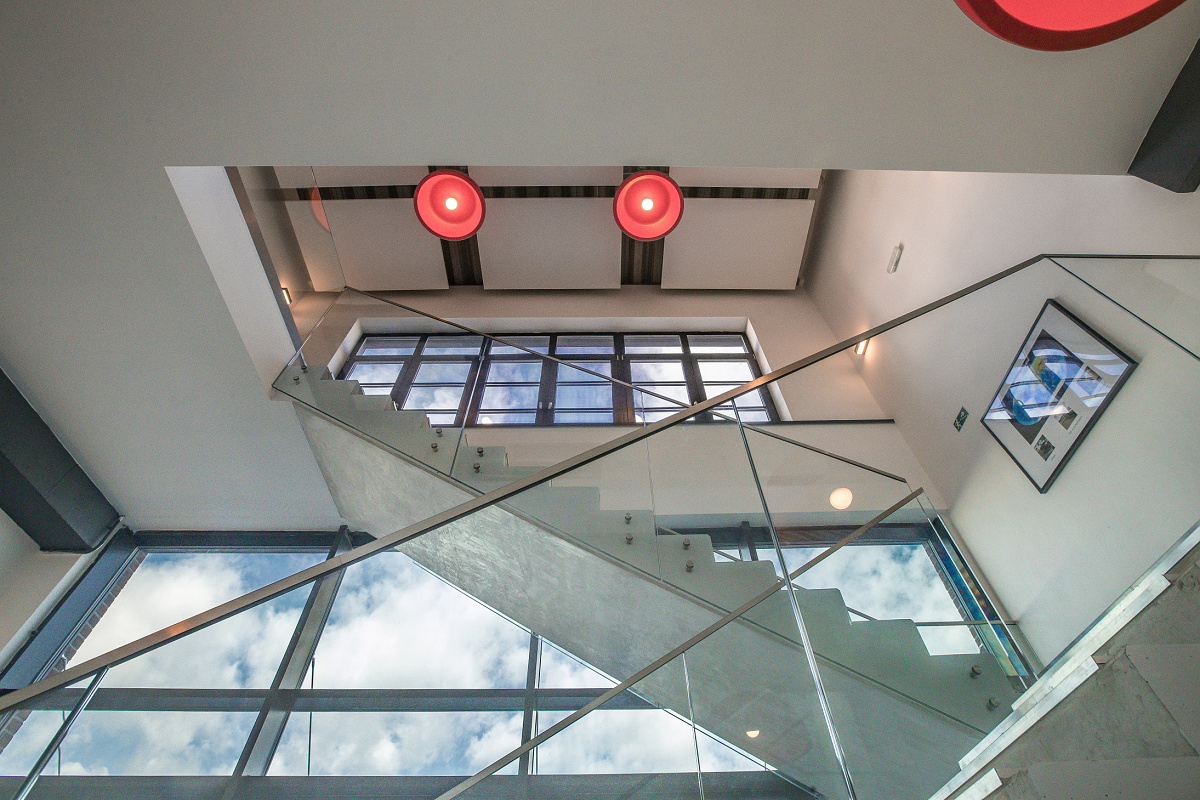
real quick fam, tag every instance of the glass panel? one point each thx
(376, 390)
(679, 393)
(716, 343)
(445, 639)
(26, 732)
(653, 344)
(443, 397)
(241, 652)
(570, 396)
(452, 345)
(170, 587)
(155, 742)
(442, 419)
(367, 372)
(515, 372)
(388, 346)
(503, 397)
(751, 399)
(573, 345)
(569, 375)
(442, 373)
(656, 371)
(493, 418)
(583, 416)
(396, 743)
(539, 344)
(711, 371)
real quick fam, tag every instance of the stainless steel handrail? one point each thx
(284, 585)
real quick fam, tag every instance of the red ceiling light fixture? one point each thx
(449, 204)
(648, 205)
(1063, 24)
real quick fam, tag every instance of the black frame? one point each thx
(1078, 438)
(618, 363)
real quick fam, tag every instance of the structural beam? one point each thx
(42, 488)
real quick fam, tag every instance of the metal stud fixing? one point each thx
(475, 466)
(433, 445)
(628, 518)
(629, 538)
(687, 543)
(992, 704)
(975, 671)
(690, 565)
(438, 431)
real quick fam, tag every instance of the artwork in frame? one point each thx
(1062, 379)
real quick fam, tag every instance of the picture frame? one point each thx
(1062, 379)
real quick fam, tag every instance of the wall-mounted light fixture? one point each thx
(449, 204)
(841, 498)
(861, 347)
(287, 296)
(648, 205)
(894, 261)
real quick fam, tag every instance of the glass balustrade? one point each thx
(740, 606)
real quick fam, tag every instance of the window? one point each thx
(466, 377)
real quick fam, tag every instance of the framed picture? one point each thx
(1059, 384)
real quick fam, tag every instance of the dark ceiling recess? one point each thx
(1170, 153)
(462, 257)
(641, 262)
(42, 488)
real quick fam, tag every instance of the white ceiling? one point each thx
(550, 243)
(111, 322)
(546, 176)
(381, 245)
(737, 244)
(725, 176)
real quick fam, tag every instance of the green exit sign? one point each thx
(960, 419)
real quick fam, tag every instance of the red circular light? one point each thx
(1063, 24)
(665, 207)
(449, 204)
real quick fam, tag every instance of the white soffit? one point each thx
(546, 176)
(751, 177)
(369, 176)
(737, 244)
(382, 246)
(550, 243)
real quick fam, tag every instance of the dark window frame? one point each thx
(624, 408)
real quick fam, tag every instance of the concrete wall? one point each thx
(1056, 559)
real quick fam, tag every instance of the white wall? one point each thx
(1057, 559)
(28, 580)
(787, 327)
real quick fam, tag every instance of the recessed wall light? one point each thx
(894, 261)
(753, 734)
(841, 498)
(287, 296)
(861, 347)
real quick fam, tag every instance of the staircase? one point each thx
(604, 584)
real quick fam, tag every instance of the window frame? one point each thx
(625, 410)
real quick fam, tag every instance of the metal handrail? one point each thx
(390, 541)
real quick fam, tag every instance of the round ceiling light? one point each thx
(841, 498)
(648, 205)
(449, 204)
(1063, 24)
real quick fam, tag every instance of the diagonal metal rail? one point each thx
(284, 585)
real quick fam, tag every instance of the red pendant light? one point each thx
(449, 204)
(648, 205)
(1063, 24)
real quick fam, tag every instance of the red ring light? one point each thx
(449, 204)
(665, 205)
(1063, 24)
